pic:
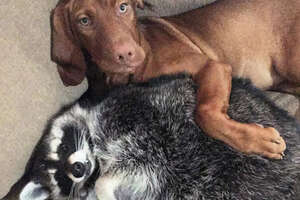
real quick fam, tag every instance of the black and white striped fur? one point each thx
(49, 174)
(146, 145)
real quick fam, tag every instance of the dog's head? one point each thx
(103, 30)
(62, 165)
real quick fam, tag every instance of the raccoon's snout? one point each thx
(78, 169)
(79, 166)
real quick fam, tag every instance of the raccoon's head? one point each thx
(62, 165)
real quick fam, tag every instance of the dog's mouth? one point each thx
(117, 78)
(132, 66)
(126, 68)
(117, 74)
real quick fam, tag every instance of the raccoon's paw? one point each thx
(264, 141)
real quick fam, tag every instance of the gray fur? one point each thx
(147, 146)
(160, 153)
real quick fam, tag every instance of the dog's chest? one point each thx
(164, 64)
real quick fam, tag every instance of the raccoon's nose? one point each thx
(78, 169)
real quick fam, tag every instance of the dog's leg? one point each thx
(214, 82)
(290, 70)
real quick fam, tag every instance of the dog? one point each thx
(152, 148)
(257, 39)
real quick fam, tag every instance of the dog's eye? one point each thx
(123, 7)
(85, 21)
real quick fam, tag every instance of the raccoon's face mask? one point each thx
(62, 165)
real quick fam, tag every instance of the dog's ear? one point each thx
(65, 50)
(140, 4)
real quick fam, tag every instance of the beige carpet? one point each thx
(30, 89)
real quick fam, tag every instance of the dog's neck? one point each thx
(140, 74)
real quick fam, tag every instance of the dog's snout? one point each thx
(125, 54)
(78, 169)
(129, 54)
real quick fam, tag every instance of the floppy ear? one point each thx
(64, 50)
(33, 191)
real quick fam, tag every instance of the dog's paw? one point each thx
(263, 141)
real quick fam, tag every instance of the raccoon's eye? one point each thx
(91, 144)
(65, 148)
(42, 166)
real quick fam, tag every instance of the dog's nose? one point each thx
(78, 169)
(129, 54)
(125, 54)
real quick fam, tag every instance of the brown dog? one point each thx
(258, 39)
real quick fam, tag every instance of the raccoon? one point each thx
(62, 164)
(149, 147)
(141, 142)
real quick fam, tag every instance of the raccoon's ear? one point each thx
(33, 191)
